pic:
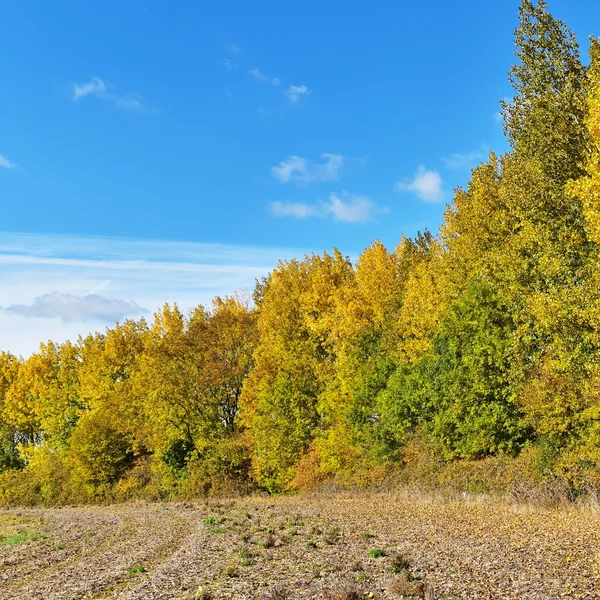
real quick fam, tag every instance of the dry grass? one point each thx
(405, 588)
(305, 547)
(343, 594)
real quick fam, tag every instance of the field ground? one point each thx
(301, 547)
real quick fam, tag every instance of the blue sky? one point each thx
(139, 134)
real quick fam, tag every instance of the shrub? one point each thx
(46, 480)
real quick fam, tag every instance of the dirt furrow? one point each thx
(310, 546)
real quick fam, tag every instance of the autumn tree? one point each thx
(10, 435)
(295, 359)
(550, 257)
(105, 441)
(189, 382)
(366, 313)
(425, 297)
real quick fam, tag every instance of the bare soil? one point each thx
(301, 547)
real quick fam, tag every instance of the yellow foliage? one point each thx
(425, 299)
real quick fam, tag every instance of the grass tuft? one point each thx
(217, 530)
(231, 572)
(136, 569)
(333, 536)
(400, 564)
(22, 537)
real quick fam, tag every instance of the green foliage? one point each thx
(22, 537)
(364, 412)
(9, 453)
(284, 423)
(217, 530)
(460, 392)
(136, 569)
(473, 399)
(177, 453)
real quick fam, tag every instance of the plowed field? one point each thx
(339, 547)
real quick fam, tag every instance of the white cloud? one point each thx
(91, 307)
(267, 113)
(295, 92)
(4, 162)
(255, 72)
(352, 209)
(296, 168)
(425, 184)
(298, 210)
(466, 160)
(346, 207)
(234, 49)
(130, 102)
(97, 88)
(145, 272)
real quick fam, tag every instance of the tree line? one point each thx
(466, 353)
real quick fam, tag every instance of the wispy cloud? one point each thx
(299, 169)
(96, 88)
(266, 113)
(5, 163)
(345, 207)
(298, 210)
(91, 307)
(295, 92)
(145, 272)
(353, 209)
(459, 160)
(234, 49)
(425, 184)
(255, 72)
